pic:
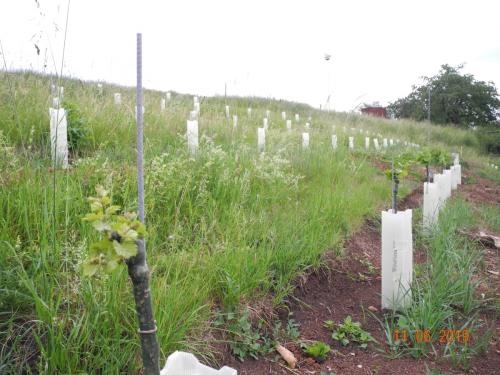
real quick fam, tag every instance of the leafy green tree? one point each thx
(454, 98)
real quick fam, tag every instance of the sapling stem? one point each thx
(395, 183)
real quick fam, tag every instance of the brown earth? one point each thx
(348, 287)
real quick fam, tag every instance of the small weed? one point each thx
(369, 265)
(246, 341)
(318, 351)
(351, 331)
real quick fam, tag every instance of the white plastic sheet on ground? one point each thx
(59, 137)
(182, 363)
(305, 140)
(351, 143)
(261, 138)
(192, 136)
(397, 259)
(431, 205)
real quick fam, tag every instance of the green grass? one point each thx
(444, 293)
(225, 228)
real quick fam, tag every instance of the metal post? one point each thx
(137, 266)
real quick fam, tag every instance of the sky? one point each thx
(271, 48)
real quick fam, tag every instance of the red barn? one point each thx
(375, 111)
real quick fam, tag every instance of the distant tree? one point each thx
(455, 98)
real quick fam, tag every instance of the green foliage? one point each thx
(440, 157)
(77, 127)
(318, 350)
(489, 139)
(245, 340)
(455, 99)
(119, 234)
(351, 331)
(402, 163)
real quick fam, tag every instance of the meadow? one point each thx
(225, 228)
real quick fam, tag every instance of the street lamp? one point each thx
(327, 58)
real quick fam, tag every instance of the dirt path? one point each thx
(348, 287)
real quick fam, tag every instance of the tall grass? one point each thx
(224, 228)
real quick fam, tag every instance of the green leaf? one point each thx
(111, 210)
(100, 226)
(90, 268)
(126, 249)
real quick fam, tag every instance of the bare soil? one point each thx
(350, 286)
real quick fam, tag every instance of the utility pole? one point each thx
(429, 104)
(327, 59)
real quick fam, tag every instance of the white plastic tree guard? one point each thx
(283, 115)
(182, 363)
(289, 125)
(265, 123)
(163, 103)
(447, 179)
(118, 98)
(55, 102)
(384, 142)
(397, 259)
(235, 121)
(334, 141)
(456, 158)
(375, 143)
(261, 139)
(249, 112)
(459, 174)
(169, 96)
(308, 125)
(431, 205)
(60, 92)
(305, 140)
(227, 111)
(297, 117)
(351, 143)
(59, 137)
(454, 177)
(196, 108)
(192, 137)
(268, 113)
(391, 142)
(195, 100)
(439, 180)
(193, 115)
(367, 143)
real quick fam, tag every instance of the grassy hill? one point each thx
(224, 229)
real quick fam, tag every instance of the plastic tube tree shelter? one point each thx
(397, 245)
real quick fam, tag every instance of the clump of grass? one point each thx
(443, 294)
